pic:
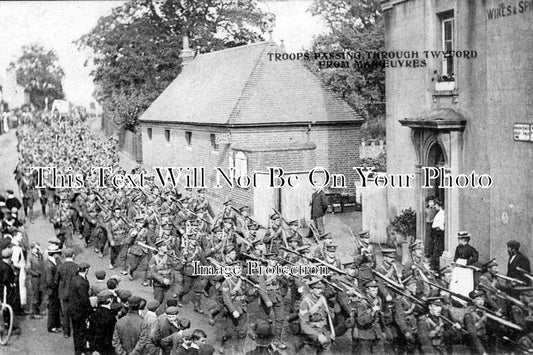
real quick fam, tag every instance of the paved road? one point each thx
(35, 339)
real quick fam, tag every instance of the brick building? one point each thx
(235, 108)
(464, 115)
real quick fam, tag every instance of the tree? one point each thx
(38, 71)
(137, 47)
(355, 26)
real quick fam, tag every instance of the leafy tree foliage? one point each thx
(355, 26)
(38, 71)
(137, 47)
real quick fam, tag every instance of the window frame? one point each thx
(167, 135)
(149, 133)
(214, 146)
(447, 61)
(188, 138)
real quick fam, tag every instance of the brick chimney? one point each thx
(186, 54)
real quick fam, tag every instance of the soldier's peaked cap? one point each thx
(492, 263)
(227, 202)
(371, 283)
(315, 283)
(434, 300)
(388, 252)
(364, 232)
(274, 216)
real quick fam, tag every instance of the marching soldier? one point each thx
(161, 274)
(314, 319)
(433, 332)
(475, 324)
(275, 236)
(193, 254)
(369, 321)
(117, 239)
(275, 287)
(234, 295)
(406, 316)
(136, 253)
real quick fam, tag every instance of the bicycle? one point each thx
(6, 319)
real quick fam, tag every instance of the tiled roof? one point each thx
(241, 86)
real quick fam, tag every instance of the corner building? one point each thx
(464, 115)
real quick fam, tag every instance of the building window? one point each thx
(448, 69)
(167, 135)
(188, 138)
(149, 131)
(241, 164)
(214, 144)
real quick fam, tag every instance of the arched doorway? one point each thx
(436, 159)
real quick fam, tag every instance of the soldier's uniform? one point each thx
(117, 240)
(162, 276)
(63, 224)
(314, 320)
(432, 330)
(191, 282)
(137, 254)
(369, 321)
(89, 215)
(274, 237)
(275, 287)
(235, 296)
(406, 317)
(475, 324)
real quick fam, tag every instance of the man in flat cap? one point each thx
(80, 307)
(101, 325)
(166, 325)
(517, 260)
(131, 331)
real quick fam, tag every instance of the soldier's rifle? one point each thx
(131, 225)
(287, 223)
(244, 278)
(358, 241)
(180, 205)
(502, 295)
(387, 280)
(322, 262)
(144, 245)
(523, 349)
(424, 306)
(525, 273)
(250, 218)
(503, 277)
(489, 313)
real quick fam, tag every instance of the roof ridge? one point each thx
(234, 48)
(248, 85)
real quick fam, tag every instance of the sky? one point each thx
(56, 24)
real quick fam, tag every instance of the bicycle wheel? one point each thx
(6, 323)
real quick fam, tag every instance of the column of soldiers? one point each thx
(162, 235)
